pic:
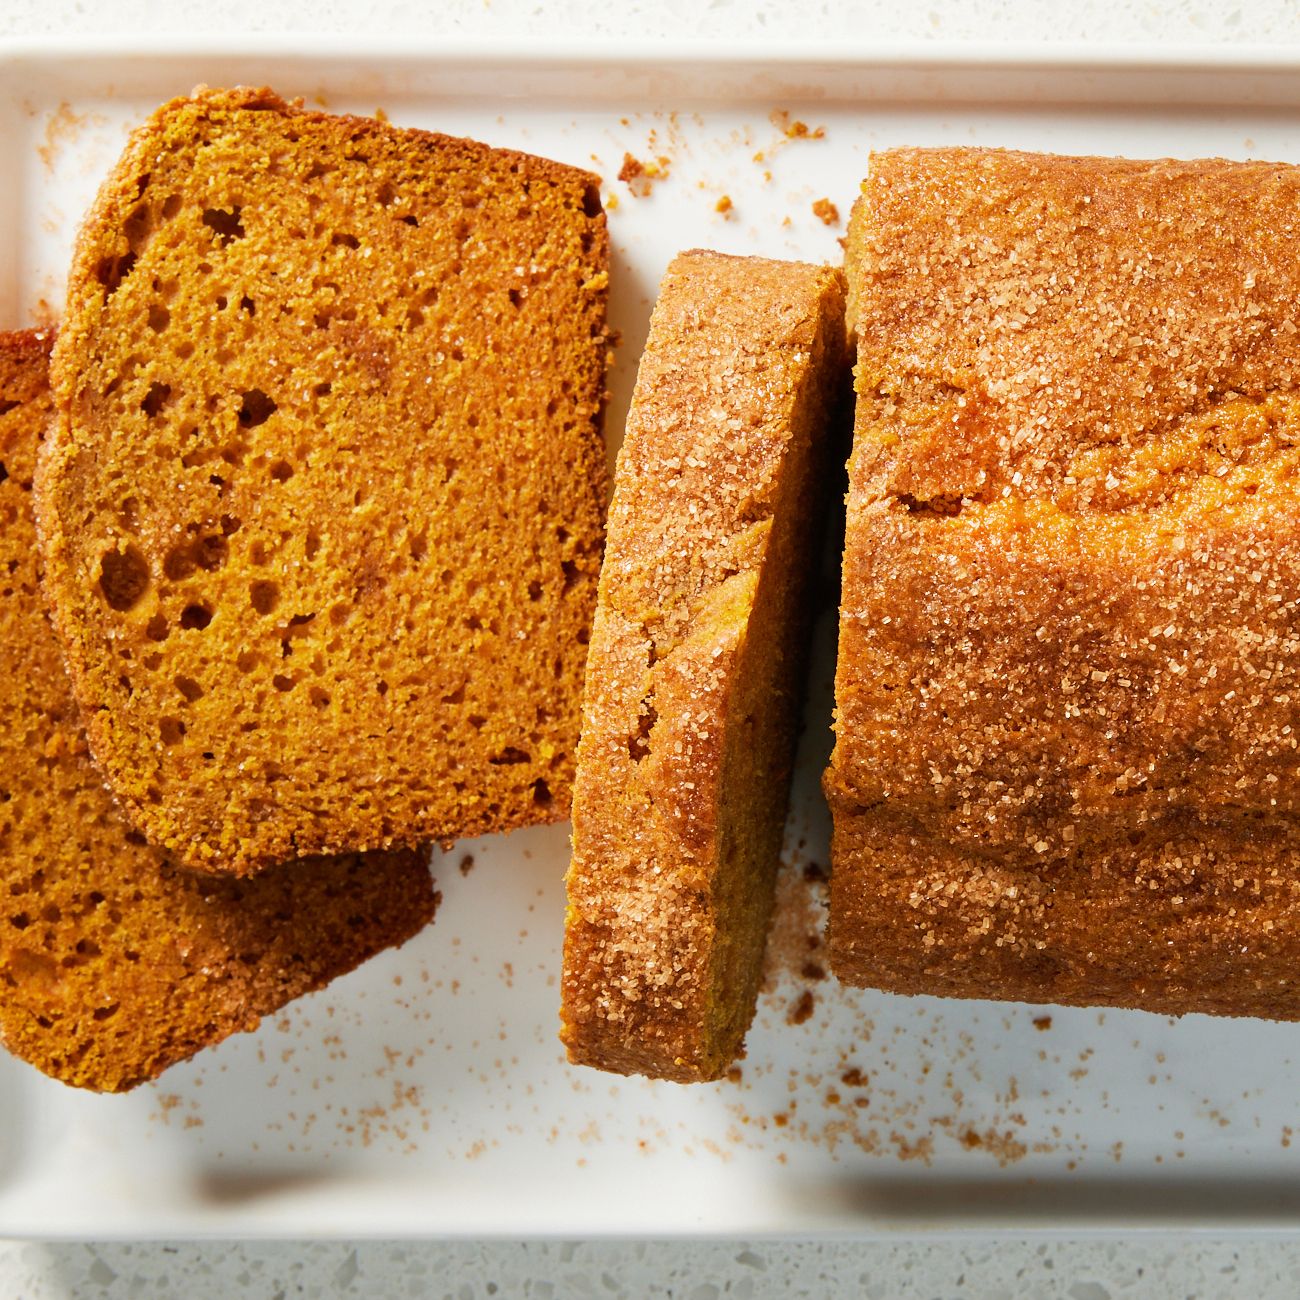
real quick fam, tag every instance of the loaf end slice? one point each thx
(694, 677)
(114, 962)
(322, 509)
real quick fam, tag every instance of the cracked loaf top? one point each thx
(1068, 668)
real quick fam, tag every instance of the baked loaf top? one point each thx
(322, 508)
(1068, 692)
(692, 682)
(115, 964)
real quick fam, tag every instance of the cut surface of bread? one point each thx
(1068, 693)
(114, 963)
(693, 681)
(322, 510)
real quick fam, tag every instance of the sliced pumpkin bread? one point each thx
(693, 681)
(115, 963)
(322, 507)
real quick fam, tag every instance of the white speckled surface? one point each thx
(1153, 1269)
(1138, 21)
(1148, 1266)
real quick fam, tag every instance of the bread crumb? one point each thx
(802, 1009)
(826, 212)
(640, 176)
(793, 128)
(62, 128)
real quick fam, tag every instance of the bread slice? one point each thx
(322, 507)
(693, 680)
(115, 964)
(1068, 695)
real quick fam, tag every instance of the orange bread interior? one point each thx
(322, 505)
(115, 963)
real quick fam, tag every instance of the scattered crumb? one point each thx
(803, 1008)
(792, 128)
(905, 1149)
(1042, 1023)
(797, 922)
(1004, 1147)
(826, 212)
(63, 127)
(639, 176)
(467, 864)
(724, 205)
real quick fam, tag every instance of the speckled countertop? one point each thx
(1153, 1269)
(1089, 1269)
(1268, 22)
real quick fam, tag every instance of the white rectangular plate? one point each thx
(427, 1094)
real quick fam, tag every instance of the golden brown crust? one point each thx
(322, 510)
(692, 681)
(1066, 762)
(114, 964)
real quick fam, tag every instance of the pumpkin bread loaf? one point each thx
(693, 681)
(1067, 760)
(114, 963)
(321, 510)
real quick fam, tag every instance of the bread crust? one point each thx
(693, 679)
(359, 373)
(1065, 765)
(115, 964)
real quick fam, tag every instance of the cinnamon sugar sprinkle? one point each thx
(1069, 669)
